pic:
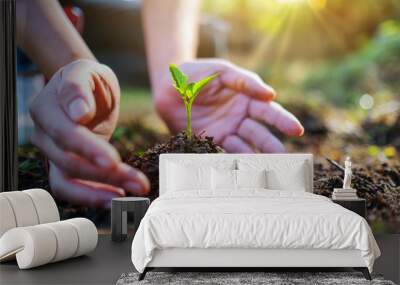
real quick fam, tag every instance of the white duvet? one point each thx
(250, 219)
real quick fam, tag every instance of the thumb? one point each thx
(75, 93)
(246, 82)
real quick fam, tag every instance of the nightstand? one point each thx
(356, 205)
(119, 215)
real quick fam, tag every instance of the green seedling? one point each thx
(188, 92)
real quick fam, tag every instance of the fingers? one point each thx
(235, 144)
(247, 82)
(138, 184)
(74, 91)
(274, 114)
(76, 96)
(72, 165)
(103, 98)
(69, 94)
(87, 89)
(258, 135)
(81, 192)
(72, 137)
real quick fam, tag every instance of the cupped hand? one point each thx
(236, 108)
(74, 117)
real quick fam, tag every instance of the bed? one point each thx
(246, 211)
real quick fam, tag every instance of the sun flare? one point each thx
(315, 4)
(291, 1)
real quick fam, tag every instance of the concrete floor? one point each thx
(106, 264)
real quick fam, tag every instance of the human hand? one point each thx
(75, 116)
(236, 108)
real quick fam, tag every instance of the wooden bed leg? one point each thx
(143, 274)
(364, 271)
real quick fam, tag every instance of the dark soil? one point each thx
(379, 184)
(140, 146)
(134, 136)
(148, 162)
(32, 169)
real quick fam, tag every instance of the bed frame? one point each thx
(247, 259)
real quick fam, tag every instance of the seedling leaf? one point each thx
(200, 84)
(180, 79)
(188, 92)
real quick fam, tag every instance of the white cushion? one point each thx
(295, 180)
(7, 218)
(87, 235)
(188, 177)
(23, 208)
(26, 208)
(290, 175)
(223, 179)
(173, 172)
(279, 162)
(32, 246)
(45, 205)
(251, 178)
(40, 244)
(66, 237)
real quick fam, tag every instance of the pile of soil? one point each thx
(379, 184)
(135, 136)
(148, 162)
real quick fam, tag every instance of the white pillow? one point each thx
(188, 177)
(295, 180)
(223, 179)
(251, 178)
(291, 175)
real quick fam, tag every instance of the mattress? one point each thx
(250, 219)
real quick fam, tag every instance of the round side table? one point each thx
(119, 215)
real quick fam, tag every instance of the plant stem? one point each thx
(189, 121)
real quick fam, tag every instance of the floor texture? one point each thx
(106, 264)
(243, 278)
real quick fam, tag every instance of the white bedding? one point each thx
(252, 218)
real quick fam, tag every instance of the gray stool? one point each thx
(119, 215)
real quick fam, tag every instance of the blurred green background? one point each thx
(333, 60)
